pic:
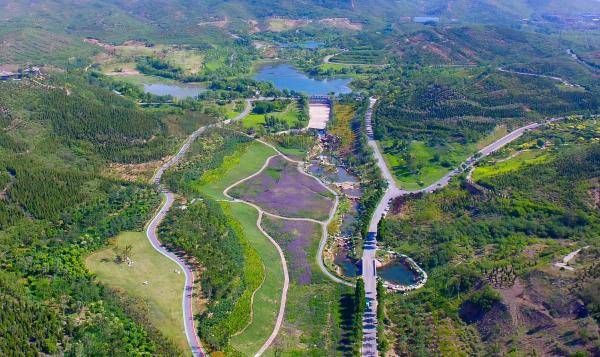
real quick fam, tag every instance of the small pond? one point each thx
(340, 174)
(176, 90)
(286, 76)
(397, 273)
(349, 268)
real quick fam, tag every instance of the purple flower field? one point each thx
(281, 189)
(298, 240)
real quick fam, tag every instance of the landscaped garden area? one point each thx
(281, 189)
(275, 116)
(313, 311)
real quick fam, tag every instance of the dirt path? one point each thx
(562, 80)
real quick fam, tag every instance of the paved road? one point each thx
(151, 232)
(369, 347)
(369, 272)
(562, 80)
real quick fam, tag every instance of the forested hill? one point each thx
(58, 203)
(111, 19)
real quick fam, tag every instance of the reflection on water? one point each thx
(397, 273)
(179, 91)
(339, 174)
(285, 76)
(349, 268)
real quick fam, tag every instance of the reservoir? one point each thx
(176, 90)
(285, 76)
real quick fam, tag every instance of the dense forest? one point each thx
(57, 207)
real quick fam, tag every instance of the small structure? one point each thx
(16, 72)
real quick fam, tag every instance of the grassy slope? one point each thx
(512, 164)
(164, 288)
(433, 171)
(234, 169)
(267, 297)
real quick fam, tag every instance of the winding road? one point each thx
(151, 233)
(369, 347)
(562, 80)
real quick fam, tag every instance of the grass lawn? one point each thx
(290, 115)
(189, 60)
(423, 157)
(233, 169)
(267, 297)
(233, 109)
(164, 289)
(514, 163)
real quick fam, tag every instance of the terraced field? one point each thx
(365, 57)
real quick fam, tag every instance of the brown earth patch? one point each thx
(539, 314)
(342, 23)
(135, 172)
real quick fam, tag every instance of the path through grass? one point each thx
(233, 169)
(164, 288)
(267, 297)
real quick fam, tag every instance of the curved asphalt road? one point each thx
(369, 347)
(151, 232)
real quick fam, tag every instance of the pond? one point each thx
(286, 76)
(349, 268)
(176, 90)
(397, 273)
(333, 174)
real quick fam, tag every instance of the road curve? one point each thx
(186, 300)
(369, 347)
(151, 233)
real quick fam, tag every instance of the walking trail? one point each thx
(261, 213)
(151, 232)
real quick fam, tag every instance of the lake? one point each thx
(179, 91)
(397, 273)
(286, 76)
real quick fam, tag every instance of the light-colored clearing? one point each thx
(152, 277)
(319, 115)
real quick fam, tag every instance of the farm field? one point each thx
(281, 183)
(312, 320)
(267, 297)
(234, 168)
(163, 290)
